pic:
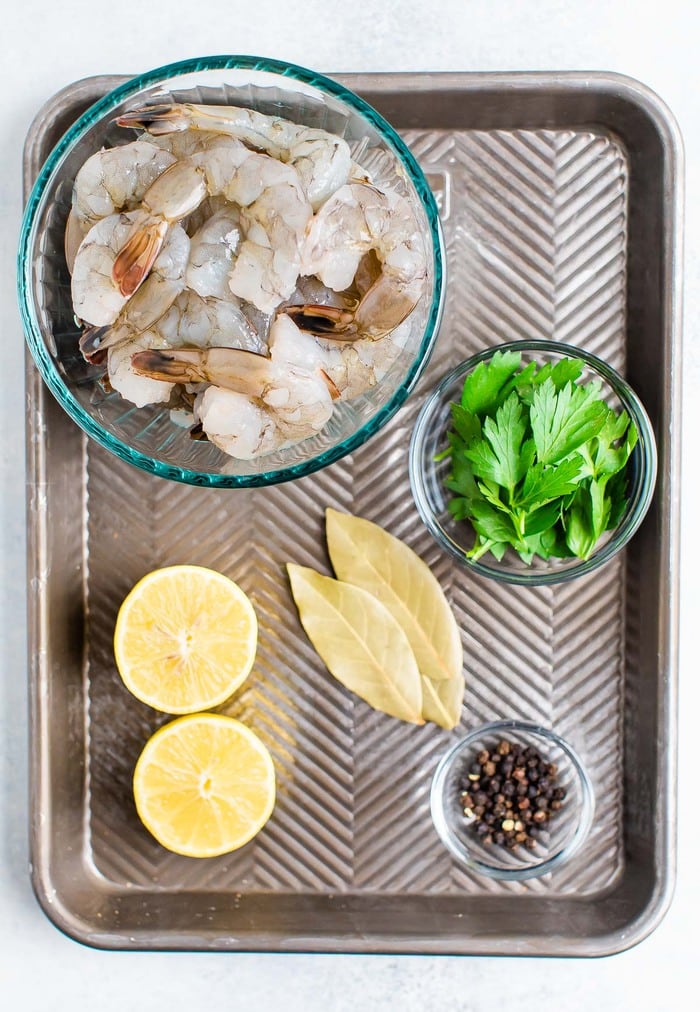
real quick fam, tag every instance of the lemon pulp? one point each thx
(185, 639)
(204, 785)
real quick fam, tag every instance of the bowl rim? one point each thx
(461, 852)
(645, 451)
(25, 267)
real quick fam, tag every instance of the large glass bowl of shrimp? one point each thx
(231, 271)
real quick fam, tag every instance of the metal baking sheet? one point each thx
(560, 196)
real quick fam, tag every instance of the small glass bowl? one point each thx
(428, 475)
(148, 437)
(565, 833)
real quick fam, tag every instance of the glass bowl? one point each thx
(148, 437)
(428, 473)
(555, 840)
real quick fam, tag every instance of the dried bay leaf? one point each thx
(359, 641)
(364, 554)
(442, 701)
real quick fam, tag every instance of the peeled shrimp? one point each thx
(133, 386)
(213, 249)
(273, 219)
(244, 428)
(207, 322)
(357, 366)
(115, 179)
(191, 320)
(322, 159)
(255, 404)
(97, 300)
(357, 219)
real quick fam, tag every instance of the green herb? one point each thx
(537, 459)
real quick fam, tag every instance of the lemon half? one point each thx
(204, 785)
(185, 639)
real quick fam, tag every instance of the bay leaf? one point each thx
(442, 701)
(364, 554)
(359, 641)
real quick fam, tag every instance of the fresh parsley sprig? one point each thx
(537, 459)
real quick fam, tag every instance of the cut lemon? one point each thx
(185, 639)
(204, 785)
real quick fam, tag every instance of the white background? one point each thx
(48, 45)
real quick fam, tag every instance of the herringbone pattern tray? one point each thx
(535, 226)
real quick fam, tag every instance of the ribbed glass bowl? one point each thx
(428, 475)
(564, 834)
(147, 437)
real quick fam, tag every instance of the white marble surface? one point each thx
(46, 45)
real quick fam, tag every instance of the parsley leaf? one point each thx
(579, 525)
(562, 372)
(537, 459)
(544, 482)
(607, 454)
(467, 425)
(563, 419)
(483, 386)
(500, 456)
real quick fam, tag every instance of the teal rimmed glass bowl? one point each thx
(147, 437)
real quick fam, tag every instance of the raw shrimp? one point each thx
(116, 179)
(322, 159)
(274, 401)
(133, 386)
(355, 367)
(207, 322)
(213, 249)
(98, 300)
(244, 428)
(201, 215)
(357, 219)
(273, 219)
(191, 320)
(181, 145)
(237, 424)
(350, 368)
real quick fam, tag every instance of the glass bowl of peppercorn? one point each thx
(512, 800)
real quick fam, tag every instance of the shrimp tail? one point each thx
(331, 322)
(156, 119)
(167, 366)
(136, 258)
(92, 344)
(198, 434)
(245, 372)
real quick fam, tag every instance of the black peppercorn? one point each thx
(509, 795)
